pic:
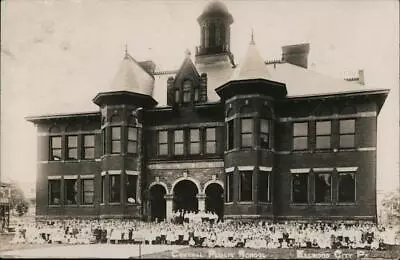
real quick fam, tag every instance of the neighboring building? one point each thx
(269, 140)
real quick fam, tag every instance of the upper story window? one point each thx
(346, 187)
(178, 142)
(211, 141)
(72, 147)
(300, 136)
(194, 141)
(323, 187)
(116, 139)
(177, 96)
(347, 133)
(246, 132)
(196, 95)
(187, 87)
(55, 148)
(163, 142)
(265, 133)
(88, 147)
(299, 187)
(230, 135)
(132, 140)
(323, 135)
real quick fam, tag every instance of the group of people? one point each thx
(183, 216)
(209, 234)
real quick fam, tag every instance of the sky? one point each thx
(56, 55)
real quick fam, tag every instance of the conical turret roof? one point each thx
(252, 66)
(132, 77)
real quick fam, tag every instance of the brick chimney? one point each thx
(296, 54)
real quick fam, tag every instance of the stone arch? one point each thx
(160, 183)
(211, 182)
(196, 182)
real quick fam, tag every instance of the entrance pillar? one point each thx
(202, 201)
(168, 208)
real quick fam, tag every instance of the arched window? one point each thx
(222, 37)
(187, 87)
(211, 35)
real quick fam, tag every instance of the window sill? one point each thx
(299, 204)
(114, 203)
(229, 203)
(346, 204)
(245, 202)
(71, 205)
(232, 150)
(54, 206)
(102, 204)
(265, 202)
(87, 205)
(323, 204)
(350, 149)
(302, 151)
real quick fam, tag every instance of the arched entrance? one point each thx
(215, 199)
(157, 202)
(185, 193)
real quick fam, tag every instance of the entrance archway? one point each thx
(157, 202)
(185, 193)
(215, 199)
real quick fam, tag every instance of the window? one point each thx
(178, 142)
(211, 141)
(71, 191)
(246, 185)
(300, 188)
(104, 141)
(177, 96)
(54, 192)
(116, 139)
(323, 135)
(347, 133)
(246, 132)
(88, 147)
(229, 135)
(131, 182)
(229, 188)
(72, 147)
(132, 140)
(187, 86)
(103, 189)
(264, 133)
(55, 144)
(263, 186)
(163, 143)
(115, 188)
(347, 187)
(87, 191)
(323, 187)
(194, 141)
(300, 136)
(196, 95)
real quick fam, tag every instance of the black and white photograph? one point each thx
(207, 129)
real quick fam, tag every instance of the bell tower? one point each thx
(215, 27)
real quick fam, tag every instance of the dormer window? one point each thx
(177, 96)
(187, 86)
(196, 95)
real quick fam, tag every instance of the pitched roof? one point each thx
(132, 77)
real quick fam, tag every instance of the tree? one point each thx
(391, 205)
(18, 201)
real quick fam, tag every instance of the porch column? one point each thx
(168, 200)
(201, 197)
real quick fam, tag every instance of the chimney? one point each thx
(296, 54)
(148, 65)
(361, 79)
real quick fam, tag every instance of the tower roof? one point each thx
(132, 77)
(216, 8)
(252, 66)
